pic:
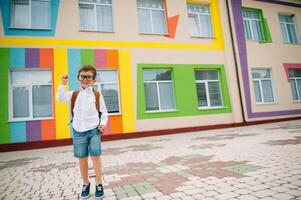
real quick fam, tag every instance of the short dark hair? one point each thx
(86, 68)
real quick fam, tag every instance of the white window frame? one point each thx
(157, 82)
(30, 27)
(290, 23)
(207, 90)
(30, 88)
(294, 79)
(259, 80)
(151, 19)
(95, 16)
(99, 84)
(199, 25)
(249, 20)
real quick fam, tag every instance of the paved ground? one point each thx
(254, 162)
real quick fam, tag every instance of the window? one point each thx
(151, 16)
(107, 83)
(158, 88)
(288, 28)
(199, 20)
(30, 14)
(252, 25)
(31, 94)
(262, 82)
(208, 88)
(96, 15)
(295, 80)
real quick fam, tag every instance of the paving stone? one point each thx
(263, 193)
(282, 196)
(242, 191)
(227, 195)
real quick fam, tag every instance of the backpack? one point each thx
(74, 96)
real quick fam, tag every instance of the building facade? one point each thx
(162, 64)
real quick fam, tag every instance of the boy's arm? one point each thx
(61, 94)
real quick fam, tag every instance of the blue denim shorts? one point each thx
(86, 143)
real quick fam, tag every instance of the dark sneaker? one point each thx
(85, 191)
(99, 192)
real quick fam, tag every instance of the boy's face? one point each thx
(86, 79)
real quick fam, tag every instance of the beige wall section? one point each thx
(273, 55)
(125, 19)
(180, 122)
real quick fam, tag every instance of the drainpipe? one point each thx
(235, 60)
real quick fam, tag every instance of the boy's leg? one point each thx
(97, 165)
(83, 164)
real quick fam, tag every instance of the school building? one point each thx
(164, 66)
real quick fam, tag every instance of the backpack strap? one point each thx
(73, 99)
(97, 97)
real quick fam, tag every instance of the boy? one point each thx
(87, 126)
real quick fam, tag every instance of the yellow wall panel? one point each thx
(126, 91)
(62, 116)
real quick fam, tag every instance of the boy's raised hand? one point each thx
(65, 79)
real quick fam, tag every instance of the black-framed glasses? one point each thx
(83, 77)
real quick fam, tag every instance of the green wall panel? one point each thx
(4, 65)
(185, 91)
(87, 57)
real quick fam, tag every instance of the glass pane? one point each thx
(294, 89)
(206, 75)
(20, 14)
(160, 75)
(193, 25)
(201, 92)
(286, 18)
(257, 91)
(89, 1)
(150, 3)
(40, 14)
(166, 96)
(299, 88)
(87, 20)
(42, 101)
(144, 21)
(267, 91)
(215, 94)
(106, 76)
(104, 1)
(151, 96)
(110, 95)
(20, 102)
(205, 26)
(284, 33)
(104, 18)
(257, 30)
(261, 73)
(158, 17)
(31, 77)
(294, 73)
(247, 29)
(291, 33)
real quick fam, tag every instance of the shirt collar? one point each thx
(87, 89)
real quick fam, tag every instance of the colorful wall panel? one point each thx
(62, 61)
